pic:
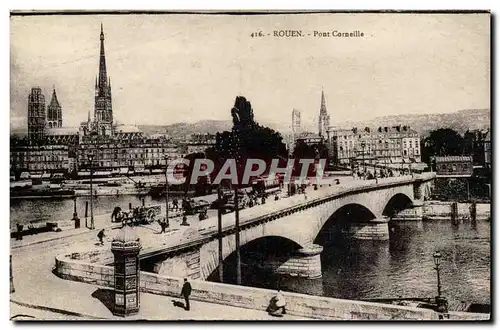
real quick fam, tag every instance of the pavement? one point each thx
(41, 295)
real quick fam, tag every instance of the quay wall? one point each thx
(81, 268)
(442, 210)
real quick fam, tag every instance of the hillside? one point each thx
(460, 121)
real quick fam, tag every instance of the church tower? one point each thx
(36, 114)
(103, 111)
(54, 112)
(324, 118)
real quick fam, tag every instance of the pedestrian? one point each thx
(19, 232)
(280, 302)
(100, 236)
(186, 291)
(276, 197)
(163, 225)
(175, 203)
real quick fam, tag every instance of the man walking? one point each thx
(163, 225)
(100, 236)
(186, 291)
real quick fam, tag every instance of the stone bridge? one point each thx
(361, 209)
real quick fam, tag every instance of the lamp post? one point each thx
(437, 261)
(91, 158)
(219, 234)
(166, 192)
(75, 214)
(442, 304)
(363, 145)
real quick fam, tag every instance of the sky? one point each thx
(184, 68)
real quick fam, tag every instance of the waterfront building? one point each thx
(454, 166)
(39, 158)
(124, 154)
(387, 145)
(36, 114)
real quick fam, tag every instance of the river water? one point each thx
(23, 211)
(400, 267)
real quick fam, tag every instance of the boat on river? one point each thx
(48, 192)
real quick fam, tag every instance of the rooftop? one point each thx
(62, 131)
(443, 159)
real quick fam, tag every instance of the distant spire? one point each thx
(323, 102)
(88, 120)
(96, 82)
(102, 66)
(54, 101)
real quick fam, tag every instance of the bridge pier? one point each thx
(418, 194)
(375, 230)
(305, 262)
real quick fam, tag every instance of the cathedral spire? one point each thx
(54, 101)
(102, 67)
(323, 103)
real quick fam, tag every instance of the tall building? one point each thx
(54, 112)
(36, 114)
(324, 118)
(103, 110)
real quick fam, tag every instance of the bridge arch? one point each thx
(263, 254)
(251, 244)
(342, 220)
(396, 203)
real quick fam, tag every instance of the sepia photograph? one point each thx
(250, 166)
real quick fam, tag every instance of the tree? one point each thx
(254, 140)
(473, 144)
(442, 142)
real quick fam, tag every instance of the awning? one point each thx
(83, 173)
(157, 171)
(58, 176)
(123, 170)
(46, 176)
(102, 173)
(34, 176)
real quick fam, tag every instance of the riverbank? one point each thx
(439, 210)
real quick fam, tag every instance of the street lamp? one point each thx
(166, 192)
(437, 261)
(91, 158)
(75, 214)
(441, 303)
(363, 145)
